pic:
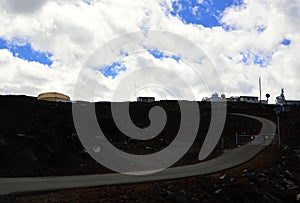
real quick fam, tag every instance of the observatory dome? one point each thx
(53, 96)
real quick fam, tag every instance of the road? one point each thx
(229, 159)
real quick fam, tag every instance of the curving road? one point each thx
(229, 159)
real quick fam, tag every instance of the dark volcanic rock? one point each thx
(38, 138)
(42, 134)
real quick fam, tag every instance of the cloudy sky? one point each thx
(45, 44)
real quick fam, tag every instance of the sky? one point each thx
(44, 44)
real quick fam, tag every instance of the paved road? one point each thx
(229, 159)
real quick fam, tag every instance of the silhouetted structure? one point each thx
(53, 96)
(146, 99)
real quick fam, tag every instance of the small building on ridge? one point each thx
(53, 96)
(146, 99)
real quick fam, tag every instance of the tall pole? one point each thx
(259, 90)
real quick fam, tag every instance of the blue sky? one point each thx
(112, 70)
(261, 58)
(89, 2)
(207, 12)
(244, 38)
(161, 55)
(286, 42)
(23, 49)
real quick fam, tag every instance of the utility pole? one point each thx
(259, 89)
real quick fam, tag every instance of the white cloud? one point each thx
(22, 6)
(73, 30)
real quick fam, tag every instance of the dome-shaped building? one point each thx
(53, 96)
(215, 97)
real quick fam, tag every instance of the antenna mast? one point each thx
(259, 89)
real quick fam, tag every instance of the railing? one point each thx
(255, 139)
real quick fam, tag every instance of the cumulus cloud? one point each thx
(73, 30)
(22, 6)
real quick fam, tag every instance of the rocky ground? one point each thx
(268, 178)
(38, 138)
(273, 176)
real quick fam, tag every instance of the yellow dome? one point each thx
(53, 96)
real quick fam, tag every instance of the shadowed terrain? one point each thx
(38, 138)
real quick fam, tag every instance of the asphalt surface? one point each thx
(229, 159)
